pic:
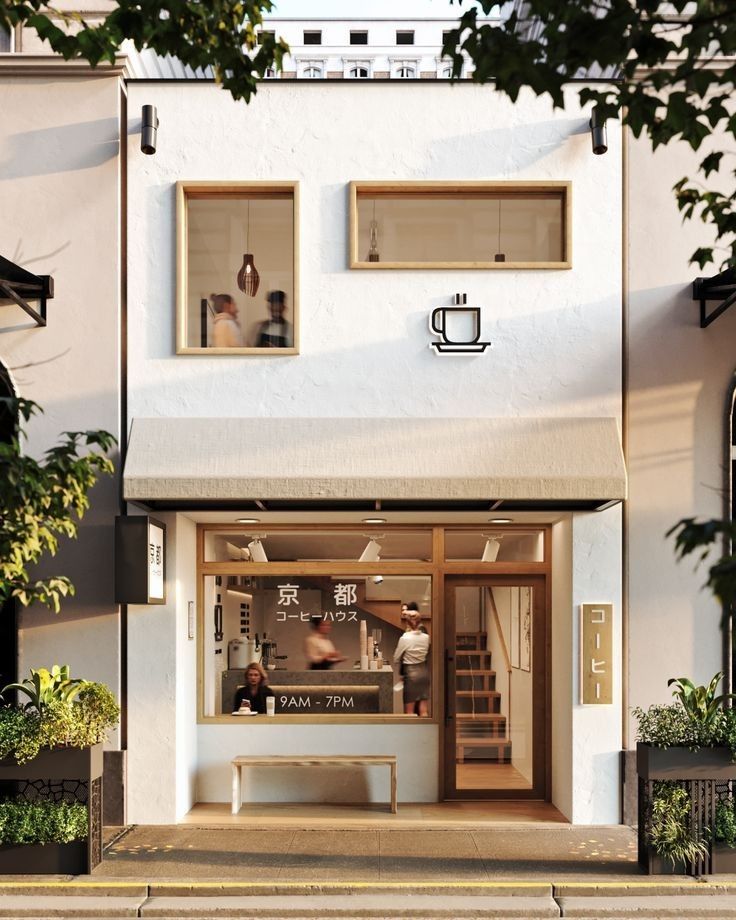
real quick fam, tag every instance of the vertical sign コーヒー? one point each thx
(155, 561)
(596, 654)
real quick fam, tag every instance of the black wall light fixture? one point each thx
(598, 134)
(149, 129)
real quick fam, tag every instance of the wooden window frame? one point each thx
(436, 568)
(442, 189)
(210, 189)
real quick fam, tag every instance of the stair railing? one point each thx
(504, 649)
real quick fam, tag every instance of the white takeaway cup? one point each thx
(270, 705)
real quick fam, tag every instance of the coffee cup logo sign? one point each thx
(459, 329)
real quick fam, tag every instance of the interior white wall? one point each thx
(679, 375)
(596, 730)
(563, 661)
(59, 197)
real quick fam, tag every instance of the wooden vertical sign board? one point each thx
(596, 654)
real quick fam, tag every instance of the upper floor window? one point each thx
(404, 70)
(405, 37)
(446, 33)
(359, 38)
(313, 38)
(265, 34)
(6, 40)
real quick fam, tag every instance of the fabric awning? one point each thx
(542, 462)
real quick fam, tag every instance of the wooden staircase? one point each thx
(481, 731)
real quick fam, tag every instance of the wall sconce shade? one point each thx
(598, 134)
(149, 129)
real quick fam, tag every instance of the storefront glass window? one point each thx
(308, 546)
(237, 268)
(326, 643)
(494, 546)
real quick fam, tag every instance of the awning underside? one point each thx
(290, 464)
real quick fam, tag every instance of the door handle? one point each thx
(448, 659)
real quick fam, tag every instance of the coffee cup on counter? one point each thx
(270, 705)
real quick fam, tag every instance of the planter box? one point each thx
(83, 765)
(723, 859)
(46, 859)
(680, 763)
(654, 864)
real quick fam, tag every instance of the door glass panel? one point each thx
(493, 688)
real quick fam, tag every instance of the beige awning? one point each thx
(545, 461)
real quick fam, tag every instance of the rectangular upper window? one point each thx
(460, 224)
(359, 38)
(405, 37)
(266, 34)
(6, 39)
(313, 38)
(237, 246)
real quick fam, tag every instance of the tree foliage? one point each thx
(41, 501)
(669, 63)
(221, 34)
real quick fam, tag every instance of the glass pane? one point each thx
(326, 643)
(240, 270)
(440, 226)
(493, 688)
(494, 546)
(319, 546)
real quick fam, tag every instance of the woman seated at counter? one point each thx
(256, 690)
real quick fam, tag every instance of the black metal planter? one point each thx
(62, 774)
(708, 775)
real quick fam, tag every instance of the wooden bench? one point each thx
(319, 760)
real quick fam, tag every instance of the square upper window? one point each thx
(313, 38)
(405, 37)
(359, 38)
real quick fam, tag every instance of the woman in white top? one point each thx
(411, 652)
(225, 326)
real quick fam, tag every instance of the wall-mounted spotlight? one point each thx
(377, 579)
(372, 552)
(598, 135)
(149, 129)
(490, 550)
(257, 552)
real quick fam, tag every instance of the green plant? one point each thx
(44, 687)
(668, 726)
(700, 703)
(669, 829)
(41, 501)
(724, 830)
(23, 822)
(19, 734)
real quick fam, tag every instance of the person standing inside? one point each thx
(321, 654)
(275, 332)
(411, 654)
(226, 329)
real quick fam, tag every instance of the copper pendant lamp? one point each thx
(248, 277)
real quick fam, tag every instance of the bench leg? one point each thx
(237, 791)
(394, 805)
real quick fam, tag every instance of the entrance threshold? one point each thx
(426, 815)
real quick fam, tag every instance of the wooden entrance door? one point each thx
(496, 724)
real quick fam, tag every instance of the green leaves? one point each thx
(42, 501)
(45, 687)
(669, 826)
(700, 537)
(24, 822)
(700, 703)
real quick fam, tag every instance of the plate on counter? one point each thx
(250, 712)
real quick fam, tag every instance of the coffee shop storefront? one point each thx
(343, 521)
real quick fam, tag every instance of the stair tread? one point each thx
(480, 717)
(463, 672)
(478, 693)
(483, 742)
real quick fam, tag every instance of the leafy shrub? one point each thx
(42, 822)
(725, 825)
(700, 703)
(669, 828)
(670, 725)
(44, 687)
(61, 720)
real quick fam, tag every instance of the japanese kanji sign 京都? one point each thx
(596, 653)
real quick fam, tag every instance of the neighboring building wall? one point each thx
(679, 376)
(556, 337)
(60, 198)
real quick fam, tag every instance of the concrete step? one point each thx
(698, 906)
(94, 907)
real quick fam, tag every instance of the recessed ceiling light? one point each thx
(500, 521)
(247, 520)
(374, 520)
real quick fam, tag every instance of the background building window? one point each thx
(312, 72)
(6, 40)
(313, 38)
(405, 37)
(266, 34)
(404, 70)
(359, 38)
(358, 72)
